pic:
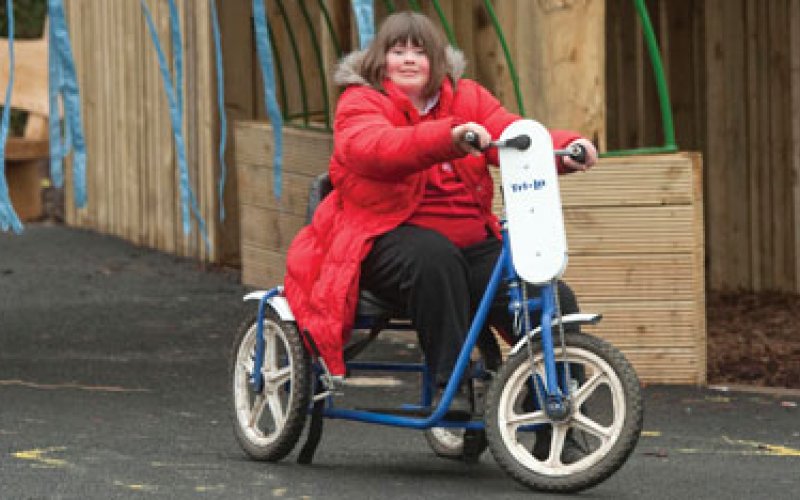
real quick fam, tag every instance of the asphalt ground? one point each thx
(113, 384)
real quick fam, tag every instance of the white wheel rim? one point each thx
(262, 417)
(509, 420)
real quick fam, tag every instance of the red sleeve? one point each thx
(562, 139)
(372, 146)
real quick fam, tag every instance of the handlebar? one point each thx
(575, 151)
(523, 142)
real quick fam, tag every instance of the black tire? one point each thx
(608, 378)
(288, 394)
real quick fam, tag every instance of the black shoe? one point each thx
(571, 453)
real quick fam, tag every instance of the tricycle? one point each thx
(561, 413)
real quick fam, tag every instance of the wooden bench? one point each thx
(27, 156)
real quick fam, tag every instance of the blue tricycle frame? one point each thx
(556, 394)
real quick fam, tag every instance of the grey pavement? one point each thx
(113, 384)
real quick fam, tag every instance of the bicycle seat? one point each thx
(368, 303)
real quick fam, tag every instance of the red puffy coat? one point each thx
(382, 152)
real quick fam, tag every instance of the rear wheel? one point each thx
(591, 443)
(268, 424)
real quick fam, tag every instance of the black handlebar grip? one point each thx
(578, 153)
(471, 138)
(520, 142)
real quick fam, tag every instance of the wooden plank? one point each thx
(659, 322)
(561, 71)
(728, 242)
(630, 230)
(699, 267)
(780, 128)
(794, 20)
(754, 150)
(762, 164)
(655, 180)
(170, 213)
(631, 181)
(681, 65)
(632, 278)
(261, 267)
(208, 119)
(268, 228)
(237, 57)
(304, 151)
(256, 189)
(20, 148)
(103, 210)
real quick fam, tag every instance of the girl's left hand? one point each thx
(591, 157)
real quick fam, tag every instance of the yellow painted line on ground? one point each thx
(136, 486)
(651, 434)
(205, 489)
(37, 456)
(95, 388)
(178, 465)
(765, 448)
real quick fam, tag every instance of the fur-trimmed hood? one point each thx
(347, 71)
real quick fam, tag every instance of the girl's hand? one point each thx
(591, 157)
(458, 133)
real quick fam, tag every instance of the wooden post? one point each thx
(238, 48)
(559, 50)
(794, 20)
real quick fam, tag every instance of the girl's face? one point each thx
(408, 67)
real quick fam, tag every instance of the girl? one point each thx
(410, 217)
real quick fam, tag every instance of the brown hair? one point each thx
(399, 28)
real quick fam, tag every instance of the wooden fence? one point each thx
(635, 233)
(132, 175)
(734, 76)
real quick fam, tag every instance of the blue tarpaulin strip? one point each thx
(365, 19)
(177, 52)
(69, 91)
(264, 49)
(223, 119)
(8, 217)
(54, 85)
(175, 113)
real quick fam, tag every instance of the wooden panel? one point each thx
(794, 20)
(598, 230)
(728, 64)
(269, 229)
(30, 74)
(304, 151)
(18, 148)
(632, 277)
(561, 71)
(261, 267)
(631, 181)
(256, 189)
(132, 178)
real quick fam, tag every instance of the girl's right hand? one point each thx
(459, 132)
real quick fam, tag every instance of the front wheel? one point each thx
(586, 447)
(268, 424)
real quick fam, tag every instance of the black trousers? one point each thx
(440, 286)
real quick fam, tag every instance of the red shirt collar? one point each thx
(402, 101)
